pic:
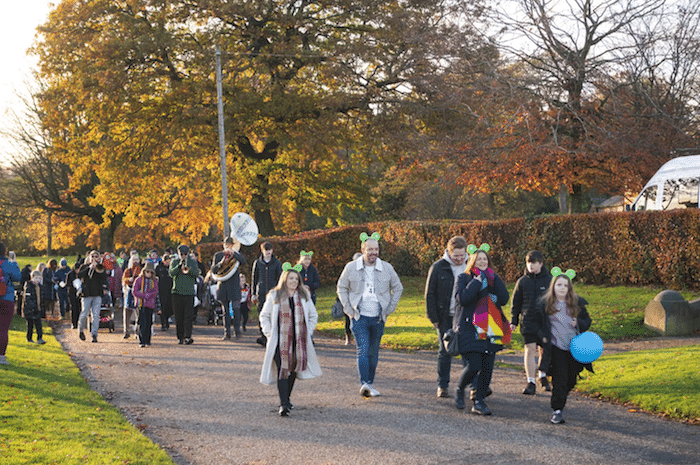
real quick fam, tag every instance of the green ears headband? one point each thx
(556, 271)
(286, 266)
(364, 236)
(472, 248)
(304, 253)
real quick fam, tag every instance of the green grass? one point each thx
(22, 261)
(49, 413)
(617, 313)
(664, 381)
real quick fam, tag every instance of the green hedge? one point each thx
(604, 248)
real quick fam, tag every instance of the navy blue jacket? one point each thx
(310, 278)
(470, 292)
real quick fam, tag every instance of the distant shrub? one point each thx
(604, 248)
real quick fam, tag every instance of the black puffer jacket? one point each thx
(32, 299)
(438, 294)
(527, 291)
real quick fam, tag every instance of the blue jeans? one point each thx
(92, 304)
(63, 300)
(368, 332)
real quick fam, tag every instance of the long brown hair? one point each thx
(472, 260)
(550, 299)
(283, 292)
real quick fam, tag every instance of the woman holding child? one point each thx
(481, 327)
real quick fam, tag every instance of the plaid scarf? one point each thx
(488, 318)
(292, 356)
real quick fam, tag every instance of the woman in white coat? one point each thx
(288, 320)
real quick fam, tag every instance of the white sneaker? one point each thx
(3, 360)
(365, 390)
(373, 392)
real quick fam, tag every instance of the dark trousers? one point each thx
(284, 386)
(477, 364)
(348, 331)
(62, 301)
(34, 323)
(75, 307)
(245, 310)
(183, 310)
(235, 308)
(145, 324)
(166, 310)
(444, 359)
(7, 310)
(564, 373)
(19, 299)
(47, 307)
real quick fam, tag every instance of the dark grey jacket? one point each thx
(229, 290)
(438, 294)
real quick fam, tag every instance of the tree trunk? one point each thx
(49, 233)
(576, 198)
(563, 193)
(264, 220)
(107, 233)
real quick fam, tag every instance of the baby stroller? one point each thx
(106, 314)
(216, 310)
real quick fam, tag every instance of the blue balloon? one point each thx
(586, 347)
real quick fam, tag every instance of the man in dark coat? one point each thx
(266, 272)
(229, 289)
(165, 288)
(440, 302)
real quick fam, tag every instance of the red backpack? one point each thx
(3, 284)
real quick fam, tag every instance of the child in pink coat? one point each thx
(145, 292)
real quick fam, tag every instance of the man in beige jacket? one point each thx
(369, 290)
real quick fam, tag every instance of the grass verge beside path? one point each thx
(664, 381)
(49, 413)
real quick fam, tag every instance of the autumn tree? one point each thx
(313, 93)
(571, 58)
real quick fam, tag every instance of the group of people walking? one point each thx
(464, 298)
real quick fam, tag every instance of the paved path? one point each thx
(203, 403)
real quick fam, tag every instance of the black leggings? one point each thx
(284, 386)
(564, 373)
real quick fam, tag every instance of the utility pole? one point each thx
(222, 142)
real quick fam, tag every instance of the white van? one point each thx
(674, 185)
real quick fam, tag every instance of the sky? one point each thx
(20, 19)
